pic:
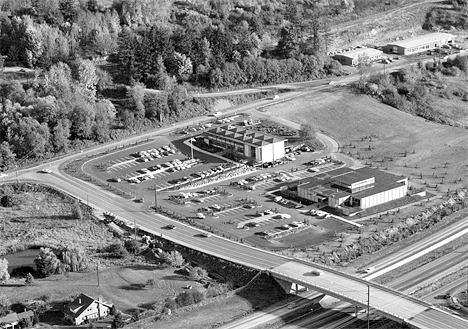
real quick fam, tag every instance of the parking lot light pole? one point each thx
(155, 198)
(191, 146)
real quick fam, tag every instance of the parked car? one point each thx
(292, 305)
(200, 215)
(316, 272)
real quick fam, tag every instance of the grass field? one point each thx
(44, 219)
(123, 286)
(351, 119)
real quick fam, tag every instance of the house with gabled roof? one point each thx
(13, 320)
(250, 143)
(84, 309)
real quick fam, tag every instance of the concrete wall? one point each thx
(383, 197)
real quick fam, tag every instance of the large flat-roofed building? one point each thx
(352, 57)
(250, 143)
(419, 44)
(353, 190)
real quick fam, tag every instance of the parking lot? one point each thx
(242, 207)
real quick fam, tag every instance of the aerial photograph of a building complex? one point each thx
(234, 164)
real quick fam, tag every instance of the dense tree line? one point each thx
(167, 45)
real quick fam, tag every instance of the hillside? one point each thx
(351, 119)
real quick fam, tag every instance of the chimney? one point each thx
(100, 299)
(79, 300)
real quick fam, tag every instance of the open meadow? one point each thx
(384, 137)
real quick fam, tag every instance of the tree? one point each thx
(5, 304)
(29, 279)
(137, 94)
(4, 275)
(118, 321)
(173, 258)
(132, 245)
(74, 259)
(306, 132)
(198, 273)
(117, 250)
(7, 157)
(87, 77)
(76, 210)
(47, 263)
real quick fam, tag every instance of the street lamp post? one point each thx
(155, 198)
(191, 146)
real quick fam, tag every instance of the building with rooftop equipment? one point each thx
(351, 58)
(250, 143)
(351, 191)
(419, 44)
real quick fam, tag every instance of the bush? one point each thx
(217, 289)
(47, 263)
(173, 258)
(189, 297)
(116, 250)
(7, 201)
(132, 246)
(198, 273)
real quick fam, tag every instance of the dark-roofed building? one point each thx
(85, 308)
(353, 190)
(419, 44)
(252, 144)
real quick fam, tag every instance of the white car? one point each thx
(3, 175)
(200, 215)
(206, 234)
(46, 171)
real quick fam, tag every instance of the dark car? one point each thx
(170, 227)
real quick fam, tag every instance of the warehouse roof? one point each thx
(244, 135)
(360, 52)
(422, 40)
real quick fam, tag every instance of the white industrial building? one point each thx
(353, 190)
(419, 44)
(250, 143)
(352, 57)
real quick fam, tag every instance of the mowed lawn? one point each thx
(348, 118)
(124, 286)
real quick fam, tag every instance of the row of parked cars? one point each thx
(155, 153)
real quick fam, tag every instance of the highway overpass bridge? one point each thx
(390, 303)
(387, 302)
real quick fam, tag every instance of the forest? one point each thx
(92, 60)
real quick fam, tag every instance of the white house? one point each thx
(85, 308)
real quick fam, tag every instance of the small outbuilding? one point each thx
(419, 44)
(352, 57)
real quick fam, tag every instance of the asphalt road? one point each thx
(333, 283)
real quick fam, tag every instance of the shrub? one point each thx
(132, 246)
(170, 303)
(189, 297)
(116, 250)
(7, 201)
(173, 258)
(217, 289)
(5, 304)
(198, 273)
(47, 263)
(4, 275)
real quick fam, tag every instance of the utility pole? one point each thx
(97, 268)
(368, 306)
